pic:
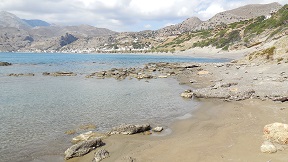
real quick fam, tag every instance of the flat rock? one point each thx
(128, 129)
(83, 148)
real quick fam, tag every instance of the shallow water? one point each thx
(36, 111)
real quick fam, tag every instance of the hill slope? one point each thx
(10, 20)
(35, 23)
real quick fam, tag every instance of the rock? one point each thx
(193, 81)
(59, 74)
(83, 148)
(128, 129)
(70, 132)
(279, 98)
(276, 133)
(203, 72)
(45, 73)
(63, 74)
(5, 64)
(211, 93)
(157, 129)
(188, 91)
(87, 136)
(268, 147)
(187, 94)
(162, 76)
(223, 85)
(100, 155)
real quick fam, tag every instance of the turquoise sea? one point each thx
(35, 111)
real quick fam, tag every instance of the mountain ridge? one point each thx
(93, 39)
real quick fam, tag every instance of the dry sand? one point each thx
(217, 131)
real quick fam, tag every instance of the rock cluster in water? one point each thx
(149, 71)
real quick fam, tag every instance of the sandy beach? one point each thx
(217, 131)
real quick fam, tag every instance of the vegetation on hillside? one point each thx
(228, 36)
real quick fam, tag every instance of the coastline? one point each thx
(205, 52)
(221, 130)
(217, 131)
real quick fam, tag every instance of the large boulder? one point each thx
(83, 148)
(128, 129)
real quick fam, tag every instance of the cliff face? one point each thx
(17, 35)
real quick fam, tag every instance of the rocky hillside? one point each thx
(255, 32)
(240, 14)
(244, 27)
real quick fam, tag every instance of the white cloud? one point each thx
(211, 11)
(168, 24)
(121, 15)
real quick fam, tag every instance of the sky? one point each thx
(122, 15)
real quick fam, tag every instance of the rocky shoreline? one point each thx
(231, 81)
(227, 81)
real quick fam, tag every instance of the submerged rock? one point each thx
(87, 136)
(83, 148)
(128, 129)
(100, 155)
(21, 74)
(59, 74)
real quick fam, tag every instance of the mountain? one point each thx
(10, 20)
(186, 26)
(35, 22)
(240, 28)
(239, 14)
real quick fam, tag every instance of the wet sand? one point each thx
(217, 131)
